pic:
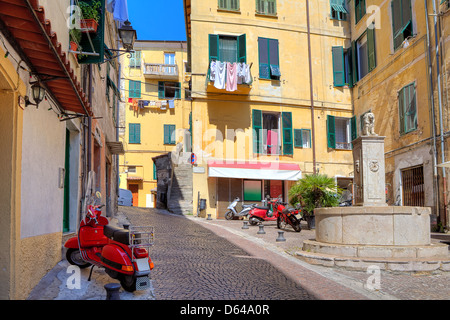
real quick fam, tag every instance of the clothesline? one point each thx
(141, 104)
(227, 75)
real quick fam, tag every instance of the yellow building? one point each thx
(154, 116)
(392, 66)
(258, 137)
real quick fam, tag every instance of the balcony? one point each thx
(161, 71)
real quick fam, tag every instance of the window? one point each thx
(401, 21)
(169, 90)
(360, 9)
(169, 58)
(352, 64)
(134, 90)
(227, 48)
(135, 60)
(413, 187)
(302, 138)
(169, 134)
(272, 132)
(268, 7)
(269, 66)
(273, 188)
(134, 133)
(131, 169)
(338, 11)
(341, 132)
(229, 4)
(407, 108)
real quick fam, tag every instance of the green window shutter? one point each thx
(286, 119)
(338, 66)
(137, 59)
(131, 90)
(134, 133)
(242, 49)
(134, 88)
(371, 48)
(172, 134)
(155, 172)
(331, 132)
(161, 93)
(137, 86)
(271, 7)
(353, 128)
(263, 50)
(97, 38)
(298, 139)
(234, 4)
(166, 134)
(349, 70)
(354, 64)
(132, 60)
(213, 47)
(178, 91)
(257, 131)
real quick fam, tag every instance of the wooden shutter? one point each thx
(137, 59)
(298, 138)
(338, 66)
(213, 47)
(234, 5)
(371, 48)
(172, 136)
(274, 58)
(263, 50)
(260, 5)
(97, 39)
(242, 48)
(354, 64)
(257, 130)
(161, 93)
(131, 89)
(286, 119)
(353, 128)
(137, 88)
(178, 90)
(132, 60)
(271, 7)
(166, 134)
(134, 135)
(331, 132)
(155, 172)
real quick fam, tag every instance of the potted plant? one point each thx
(91, 15)
(75, 37)
(314, 191)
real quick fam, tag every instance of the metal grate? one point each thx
(413, 187)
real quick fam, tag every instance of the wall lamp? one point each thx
(38, 93)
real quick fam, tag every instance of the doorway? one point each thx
(134, 188)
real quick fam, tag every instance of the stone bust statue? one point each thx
(368, 124)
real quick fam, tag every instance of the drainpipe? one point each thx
(313, 141)
(444, 178)
(431, 88)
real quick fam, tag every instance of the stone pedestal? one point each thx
(369, 174)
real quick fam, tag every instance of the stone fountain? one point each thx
(395, 238)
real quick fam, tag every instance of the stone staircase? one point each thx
(181, 195)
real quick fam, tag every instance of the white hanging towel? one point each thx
(171, 104)
(247, 74)
(212, 70)
(221, 71)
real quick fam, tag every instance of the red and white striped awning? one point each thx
(254, 170)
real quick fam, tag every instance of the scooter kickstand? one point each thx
(90, 273)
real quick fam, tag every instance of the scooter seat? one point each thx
(117, 234)
(262, 208)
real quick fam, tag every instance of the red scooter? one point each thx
(263, 213)
(288, 216)
(122, 252)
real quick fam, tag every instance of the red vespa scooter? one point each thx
(263, 213)
(123, 253)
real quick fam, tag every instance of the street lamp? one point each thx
(38, 93)
(128, 35)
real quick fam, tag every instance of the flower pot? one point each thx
(74, 47)
(89, 25)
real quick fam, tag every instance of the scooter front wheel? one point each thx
(229, 215)
(74, 257)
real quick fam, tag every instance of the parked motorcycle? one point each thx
(124, 253)
(288, 216)
(259, 214)
(232, 212)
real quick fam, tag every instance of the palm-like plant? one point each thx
(315, 191)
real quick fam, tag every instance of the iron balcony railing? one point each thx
(160, 71)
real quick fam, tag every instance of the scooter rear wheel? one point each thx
(73, 256)
(128, 283)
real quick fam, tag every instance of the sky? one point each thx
(157, 19)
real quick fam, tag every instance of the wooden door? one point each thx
(134, 188)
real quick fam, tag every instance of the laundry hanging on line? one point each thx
(226, 75)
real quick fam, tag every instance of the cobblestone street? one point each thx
(197, 259)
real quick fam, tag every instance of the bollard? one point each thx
(245, 226)
(281, 236)
(209, 217)
(261, 229)
(112, 291)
